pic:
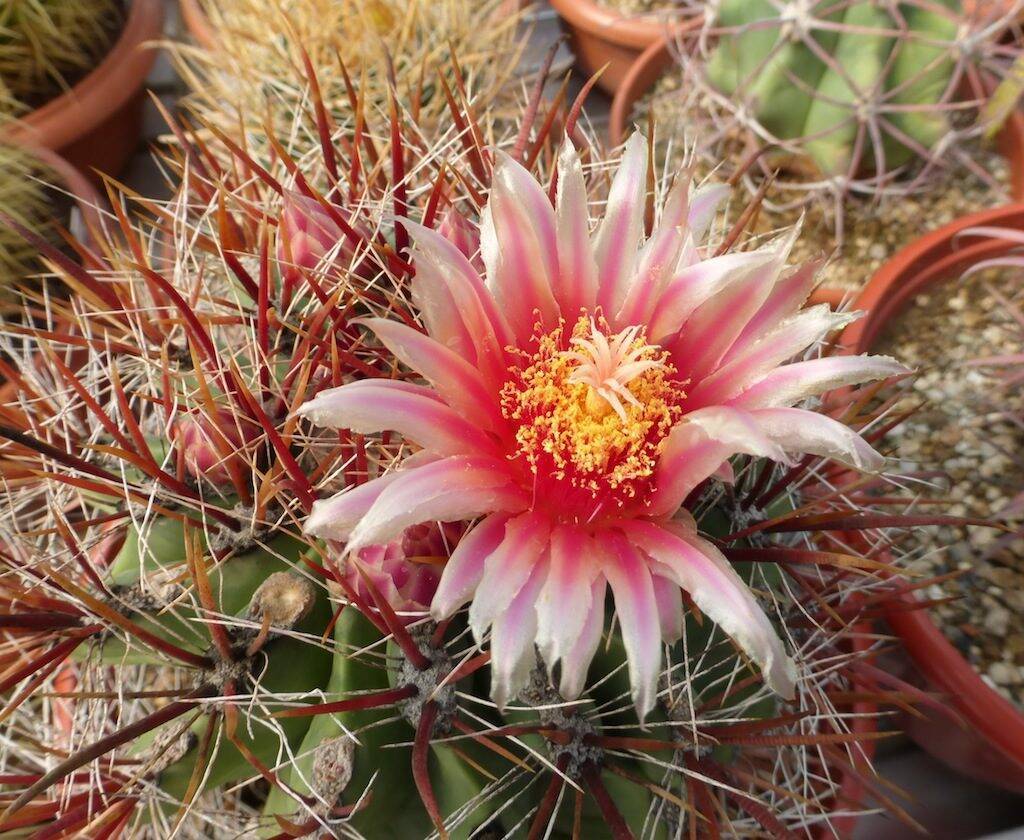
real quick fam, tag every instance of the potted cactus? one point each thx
(71, 76)
(355, 513)
(867, 118)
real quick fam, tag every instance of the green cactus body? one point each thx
(760, 53)
(920, 74)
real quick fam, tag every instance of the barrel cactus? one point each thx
(45, 45)
(252, 480)
(851, 90)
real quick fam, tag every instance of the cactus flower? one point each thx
(577, 394)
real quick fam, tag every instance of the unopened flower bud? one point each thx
(208, 448)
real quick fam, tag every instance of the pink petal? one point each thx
(618, 238)
(693, 286)
(637, 610)
(576, 662)
(696, 448)
(449, 277)
(334, 518)
(658, 258)
(786, 298)
(713, 327)
(415, 412)
(519, 248)
(454, 488)
(575, 286)
(787, 340)
(704, 205)
(513, 656)
(457, 381)
(698, 567)
(789, 384)
(670, 608)
(799, 430)
(508, 568)
(465, 568)
(564, 603)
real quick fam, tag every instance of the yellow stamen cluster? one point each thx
(572, 427)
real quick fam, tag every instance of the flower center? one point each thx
(591, 413)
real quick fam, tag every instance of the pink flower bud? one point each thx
(462, 233)
(209, 448)
(307, 233)
(406, 570)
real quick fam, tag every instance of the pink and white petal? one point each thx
(443, 263)
(699, 568)
(658, 258)
(564, 602)
(800, 431)
(696, 449)
(439, 312)
(618, 238)
(695, 285)
(334, 518)
(576, 662)
(520, 249)
(790, 384)
(465, 568)
(448, 490)
(575, 286)
(637, 610)
(456, 380)
(670, 608)
(704, 204)
(789, 294)
(508, 567)
(513, 656)
(789, 339)
(713, 327)
(376, 405)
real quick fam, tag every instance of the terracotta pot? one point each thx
(197, 23)
(599, 36)
(96, 124)
(657, 59)
(987, 741)
(81, 189)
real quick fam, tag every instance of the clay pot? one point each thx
(599, 36)
(85, 195)
(197, 23)
(96, 124)
(983, 734)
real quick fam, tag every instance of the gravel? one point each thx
(972, 428)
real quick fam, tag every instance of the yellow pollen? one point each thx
(595, 414)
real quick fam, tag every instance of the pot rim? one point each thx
(934, 258)
(197, 23)
(637, 31)
(102, 92)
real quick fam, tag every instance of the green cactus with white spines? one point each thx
(853, 89)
